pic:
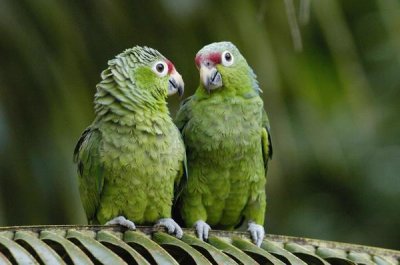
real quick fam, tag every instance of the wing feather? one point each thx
(266, 140)
(90, 170)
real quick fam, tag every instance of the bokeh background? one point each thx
(329, 69)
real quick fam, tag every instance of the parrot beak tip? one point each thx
(175, 84)
(180, 91)
(211, 78)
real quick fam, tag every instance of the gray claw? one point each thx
(121, 220)
(202, 229)
(171, 226)
(257, 233)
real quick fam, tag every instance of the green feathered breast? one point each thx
(132, 155)
(228, 147)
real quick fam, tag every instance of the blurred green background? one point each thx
(334, 106)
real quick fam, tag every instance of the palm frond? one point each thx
(75, 244)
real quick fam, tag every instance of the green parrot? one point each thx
(228, 145)
(132, 155)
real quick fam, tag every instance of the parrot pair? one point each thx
(132, 158)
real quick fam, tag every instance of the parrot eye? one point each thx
(227, 58)
(160, 68)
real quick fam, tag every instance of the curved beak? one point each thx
(175, 84)
(210, 77)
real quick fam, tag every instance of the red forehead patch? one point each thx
(197, 60)
(214, 57)
(171, 66)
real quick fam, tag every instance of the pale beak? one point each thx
(210, 77)
(175, 84)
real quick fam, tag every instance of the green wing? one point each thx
(266, 140)
(181, 180)
(90, 170)
(183, 115)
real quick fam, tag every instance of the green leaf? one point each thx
(75, 253)
(281, 253)
(149, 247)
(208, 250)
(45, 253)
(232, 251)
(109, 237)
(360, 258)
(4, 260)
(324, 253)
(100, 252)
(257, 253)
(384, 261)
(168, 241)
(21, 255)
(334, 256)
(305, 253)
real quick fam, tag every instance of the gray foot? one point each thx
(120, 220)
(202, 229)
(171, 225)
(256, 232)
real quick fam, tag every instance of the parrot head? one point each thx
(148, 72)
(137, 78)
(151, 67)
(222, 65)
